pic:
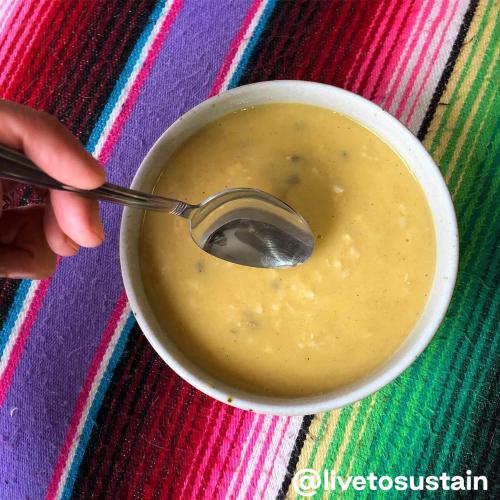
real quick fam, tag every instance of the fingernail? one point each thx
(98, 230)
(74, 246)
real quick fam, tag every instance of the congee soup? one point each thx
(319, 326)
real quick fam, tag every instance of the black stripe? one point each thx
(130, 411)
(294, 457)
(116, 393)
(262, 48)
(282, 68)
(448, 69)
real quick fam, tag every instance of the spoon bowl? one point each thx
(250, 227)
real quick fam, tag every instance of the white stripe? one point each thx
(403, 54)
(131, 80)
(243, 45)
(6, 10)
(14, 334)
(282, 458)
(410, 65)
(437, 70)
(268, 462)
(254, 457)
(90, 398)
(257, 417)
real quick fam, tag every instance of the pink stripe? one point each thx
(231, 445)
(283, 432)
(12, 31)
(20, 66)
(431, 64)
(421, 58)
(21, 44)
(231, 465)
(248, 453)
(383, 66)
(252, 487)
(139, 81)
(373, 45)
(17, 350)
(413, 43)
(233, 49)
(84, 395)
(199, 473)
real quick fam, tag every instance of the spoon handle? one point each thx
(15, 166)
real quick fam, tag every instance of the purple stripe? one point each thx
(86, 288)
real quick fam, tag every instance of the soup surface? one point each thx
(323, 324)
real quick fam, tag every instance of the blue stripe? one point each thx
(13, 314)
(96, 405)
(124, 76)
(247, 53)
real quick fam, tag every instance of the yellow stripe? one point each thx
(466, 161)
(453, 81)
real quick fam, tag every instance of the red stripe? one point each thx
(191, 475)
(141, 459)
(77, 54)
(362, 52)
(336, 70)
(42, 60)
(317, 39)
(183, 450)
(168, 423)
(332, 41)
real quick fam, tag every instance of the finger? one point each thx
(24, 251)
(78, 218)
(49, 145)
(60, 243)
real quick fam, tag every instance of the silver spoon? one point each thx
(244, 226)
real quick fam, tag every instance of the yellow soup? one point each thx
(323, 324)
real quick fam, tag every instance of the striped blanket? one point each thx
(88, 410)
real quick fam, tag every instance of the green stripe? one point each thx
(332, 451)
(459, 85)
(462, 314)
(354, 439)
(317, 441)
(440, 388)
(466, 109)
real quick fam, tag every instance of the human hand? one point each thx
(31, 237)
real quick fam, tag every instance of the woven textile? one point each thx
(88, 410)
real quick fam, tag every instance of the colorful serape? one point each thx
(88, 410)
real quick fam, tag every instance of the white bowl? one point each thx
(387, 128)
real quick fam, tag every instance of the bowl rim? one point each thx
(390, 369)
